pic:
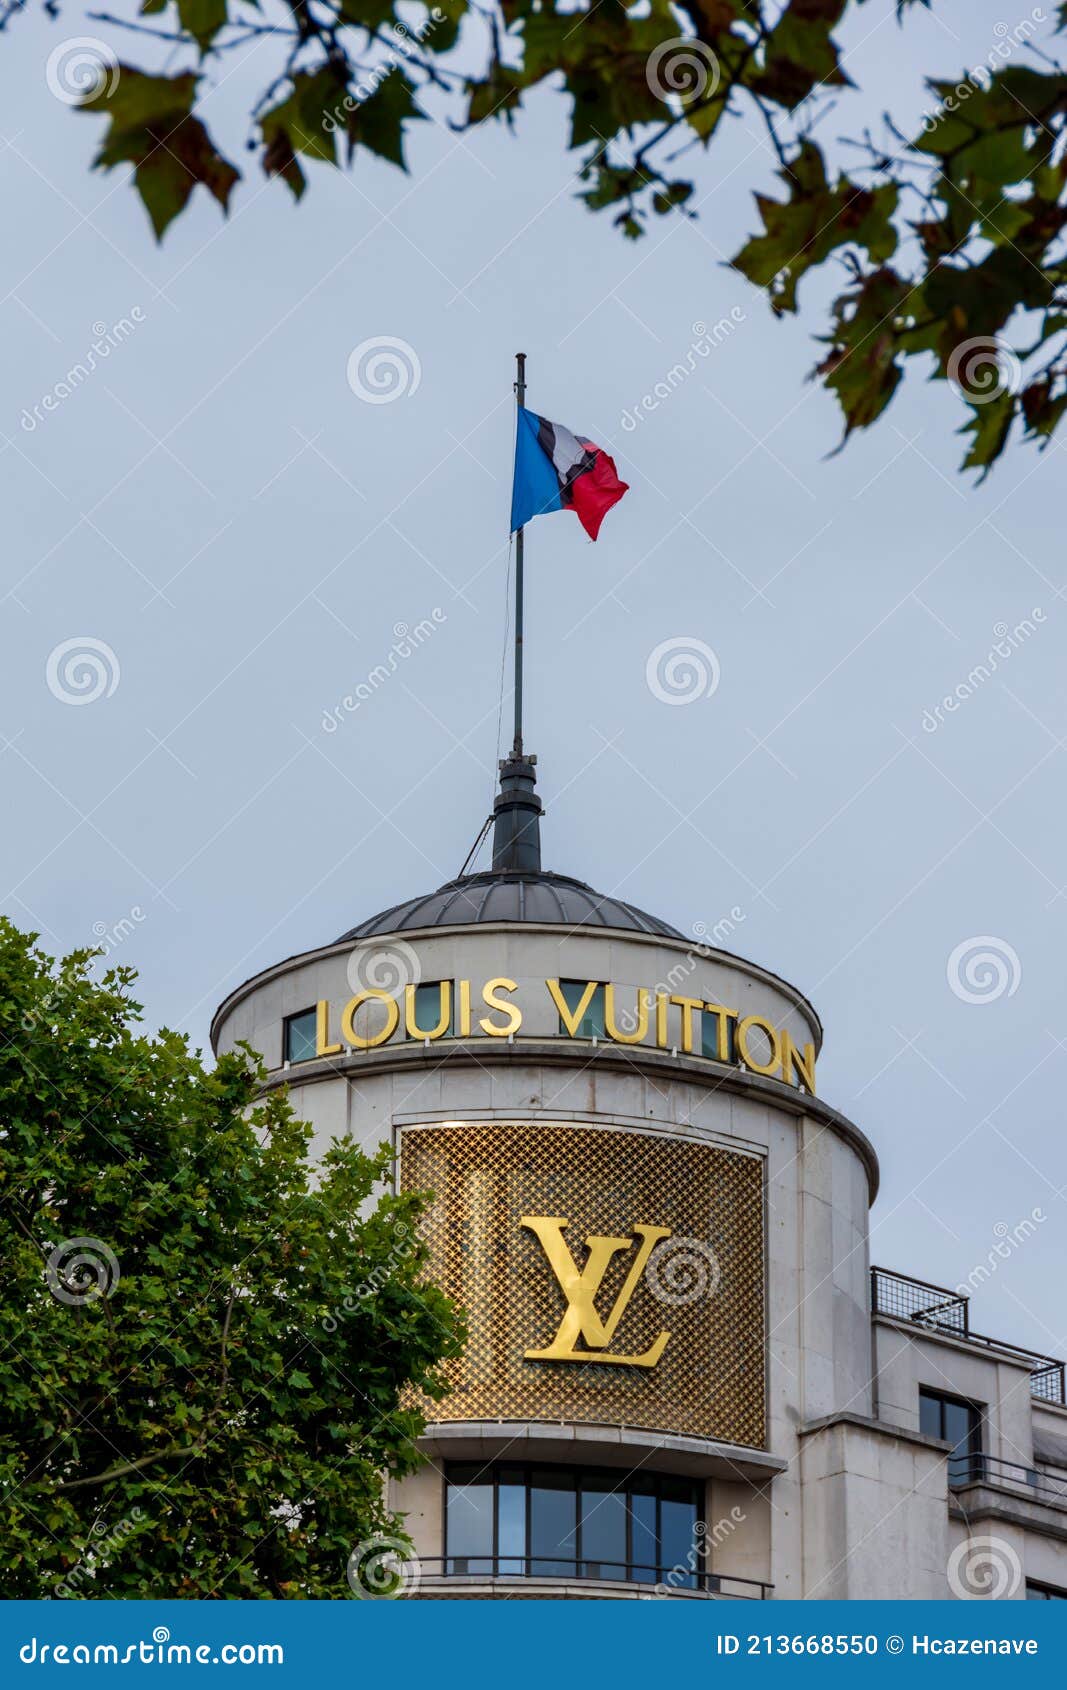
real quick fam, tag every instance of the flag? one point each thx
(556, 470)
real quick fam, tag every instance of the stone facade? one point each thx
(845, 1495)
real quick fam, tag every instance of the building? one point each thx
(684, 1377)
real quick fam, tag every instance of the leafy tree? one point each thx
(207, 1348)
(948, 239)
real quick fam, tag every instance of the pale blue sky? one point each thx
(218, 507)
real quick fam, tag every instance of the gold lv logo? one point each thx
(581, 1319)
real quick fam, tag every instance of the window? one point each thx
(960, 1423)
(572, 1522)
(434, 1007)
(709, 1036)
(1044, 1593)
(591, 1026)
(299, 1042)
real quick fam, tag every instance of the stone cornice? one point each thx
(658, 1065)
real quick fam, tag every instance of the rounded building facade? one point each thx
(658, 1230)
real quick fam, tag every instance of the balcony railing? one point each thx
(660, 1581)
(943, 1310)
(978, 1469)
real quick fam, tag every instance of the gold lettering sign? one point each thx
(667, 1021)
(581, 1319)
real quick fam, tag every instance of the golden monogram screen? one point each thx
(608, 1275)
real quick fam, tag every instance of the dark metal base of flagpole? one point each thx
(517, 813)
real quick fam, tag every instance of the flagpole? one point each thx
(520, 399)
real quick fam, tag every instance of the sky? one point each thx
(236, 537)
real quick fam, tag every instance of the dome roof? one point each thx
(521, 896)
(516, 888)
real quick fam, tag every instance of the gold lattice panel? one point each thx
(704, 1285)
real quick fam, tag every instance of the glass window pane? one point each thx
(709, 1037)
(567, 1522)
(643, 1546)
(957, 1425)
(930, 1415)
(470, 1525)
(432, 999)
(960, 1423)
(679, 1545)
(300, 1043)
(591, 1026)
(553, 1523)
(603, 1529)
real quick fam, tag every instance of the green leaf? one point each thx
(800, 54)
(978, 299)
(203, 19)
(1042, 409)
(990, 425)
(498, 95)
(862, 367)
(812, 223)
(152, 127)
(378, 123)
(306, 122)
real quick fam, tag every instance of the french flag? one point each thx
(556, 470)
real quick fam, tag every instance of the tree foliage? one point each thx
(946, 243)
(206, 1347)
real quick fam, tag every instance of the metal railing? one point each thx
(664, 1581)
(944, 1310)
(913, 1299)
(977, 1468)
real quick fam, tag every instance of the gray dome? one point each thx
(537, 896)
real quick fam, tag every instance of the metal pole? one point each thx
(520, 397)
